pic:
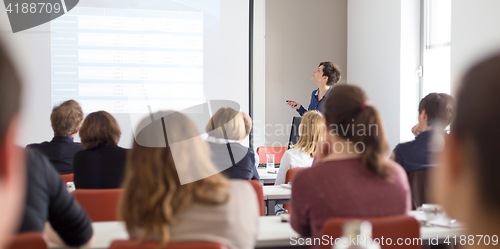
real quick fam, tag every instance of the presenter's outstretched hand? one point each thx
(293, 104)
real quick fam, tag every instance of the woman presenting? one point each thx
(325, 77)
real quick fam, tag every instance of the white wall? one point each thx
(373, 56)
(410, 61)
(299, 35)
(382, 58)
(474, 34)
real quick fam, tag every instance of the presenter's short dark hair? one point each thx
(66, 118)
(10, 91)
(439, 107)
(99, 128)
(332, 71)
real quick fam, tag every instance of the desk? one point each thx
(272, 233)
(266, 177)
(275, 195)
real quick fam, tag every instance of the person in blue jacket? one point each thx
(326, 75)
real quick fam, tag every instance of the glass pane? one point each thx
(437, 70)
(439, 22)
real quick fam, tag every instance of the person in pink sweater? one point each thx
(351, 176)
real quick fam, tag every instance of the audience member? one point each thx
(155, 206)
(301, 155)
(102, 164)
(47, 200)
(248, 128)
(65, 119)
(12, 170)
(436, 111)
(226, 129)
(355, 179)
(466, 181)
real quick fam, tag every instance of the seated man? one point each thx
(12, 178)
(47, 200)
(436, 111)
(65, 120)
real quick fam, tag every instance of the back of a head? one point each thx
(153, 191)
(332, 71)
(226, 123)
(439, 107)
(99, 128)
(349, 117)
(66, 118)
(312, 132)
(10, 92)
(12, 175)
(476, 126)
(247, 120)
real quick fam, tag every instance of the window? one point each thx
(436, 47)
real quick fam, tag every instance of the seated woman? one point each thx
(301, 155)
(355, 179)
(102, 164)
(225, 129)
(156, 206)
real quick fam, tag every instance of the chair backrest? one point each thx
(288, 178)
(419, 185)
(277, 151)
(257, 185)
(29, 240)
(393, 227)
(291, 173)
(67, 178)
(99, 204)
(132, 244)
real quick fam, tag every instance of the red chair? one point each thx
(67, 178)
(277, 151)
(29, 240)
(291, 173)
(257, 185)
(99, 204)
(288, 178)
(132, 244)
(393, 227)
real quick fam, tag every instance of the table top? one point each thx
(266, 176)
(276, 193)
(272, 232)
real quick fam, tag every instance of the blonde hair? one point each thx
(226, 123)
(153, 193)
(312, 132)
(247, 120)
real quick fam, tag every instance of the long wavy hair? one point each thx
(350, 117)
(312, 132)
(153, 193)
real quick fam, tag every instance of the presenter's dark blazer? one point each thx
(101, 167)
(237, 160)
(60, 151)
